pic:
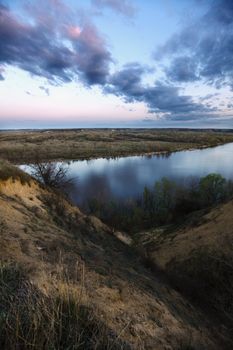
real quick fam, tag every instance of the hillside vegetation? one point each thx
(165, 203)
(68, 282)
(197, 256)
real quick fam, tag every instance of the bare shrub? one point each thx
(52, 174)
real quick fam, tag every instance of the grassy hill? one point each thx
(68, 282)
(197, 257)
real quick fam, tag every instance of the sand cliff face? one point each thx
(45, 235)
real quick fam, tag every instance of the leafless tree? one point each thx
(52, 174)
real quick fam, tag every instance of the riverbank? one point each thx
(27, 146)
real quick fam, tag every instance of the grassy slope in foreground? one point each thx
(26, 146)
(63, 271)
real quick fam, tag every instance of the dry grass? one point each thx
(30, 319)
(26, 146)
(8, 171)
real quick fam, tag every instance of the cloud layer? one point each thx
(203, 50)
(123, 7)
(160, 97)
(53, 43)
(58, 53)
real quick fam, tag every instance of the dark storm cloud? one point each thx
(204, 49)
(128, 82)
(159, 97)
(124, 7)
(92, 57)
(183, 69)
(56, 53)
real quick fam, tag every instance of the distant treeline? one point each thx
(167, 202)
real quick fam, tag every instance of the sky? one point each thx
(116, 63)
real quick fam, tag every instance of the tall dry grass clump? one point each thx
(29, 319)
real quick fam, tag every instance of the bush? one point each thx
(51, 174)
(212, 189)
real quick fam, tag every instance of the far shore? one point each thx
(21, 147)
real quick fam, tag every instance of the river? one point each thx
(126, 177)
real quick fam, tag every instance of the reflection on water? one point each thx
(126, 177)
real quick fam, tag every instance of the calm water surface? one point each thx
(126, 177)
